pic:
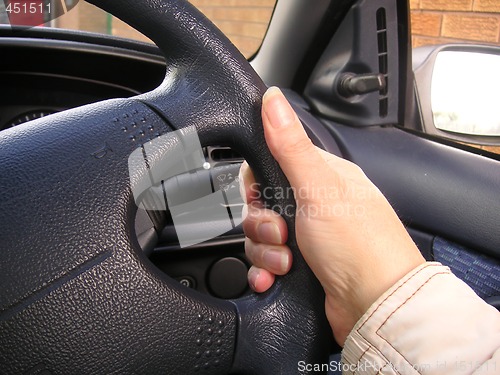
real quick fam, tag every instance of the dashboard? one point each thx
(41, 74)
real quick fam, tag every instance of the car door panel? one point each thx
(433, 187)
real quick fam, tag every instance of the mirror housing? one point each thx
(456, 95)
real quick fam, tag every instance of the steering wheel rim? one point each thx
(73, 275)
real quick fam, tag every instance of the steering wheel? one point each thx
(77, 294)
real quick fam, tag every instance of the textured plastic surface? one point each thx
(356, 49)
(439, 189)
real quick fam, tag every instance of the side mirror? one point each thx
(457, 92)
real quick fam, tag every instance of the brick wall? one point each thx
(452, 21)
(243, 21)
(90, 18)
(121, 29)
(84, 16)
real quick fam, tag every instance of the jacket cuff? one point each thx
(426, 323)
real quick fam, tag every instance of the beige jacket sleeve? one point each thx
(430, 322)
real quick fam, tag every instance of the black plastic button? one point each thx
(228, 278)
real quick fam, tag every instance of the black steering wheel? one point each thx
(77, 294)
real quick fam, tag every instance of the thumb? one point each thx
(288, 142)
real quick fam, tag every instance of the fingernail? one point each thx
(277, 109)
(253, 275)
(276, 260)
(269, 232)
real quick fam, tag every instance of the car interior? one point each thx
(94, 281)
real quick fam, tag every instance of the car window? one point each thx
(451, 22)
(245, 22)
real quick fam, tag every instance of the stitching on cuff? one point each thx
(362, 355)
(395, 290)
(399, 307)
(385, 299)
(379, 354)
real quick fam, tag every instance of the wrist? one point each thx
(346, 304)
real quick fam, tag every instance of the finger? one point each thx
(288, 141)
(249, 189)
(277, 259)
(264, 225)
(259, 279)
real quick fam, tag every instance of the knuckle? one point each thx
(249, 249)
(357, 170)
(297, 147)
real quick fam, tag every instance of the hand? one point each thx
(346, 230)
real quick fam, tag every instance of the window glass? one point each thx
(245, 22)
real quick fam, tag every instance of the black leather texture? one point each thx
(78, 296)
